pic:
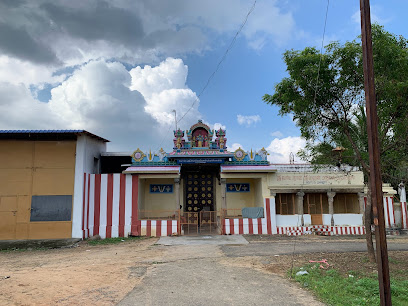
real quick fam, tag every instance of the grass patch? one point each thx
(336, 289)
(113, 240)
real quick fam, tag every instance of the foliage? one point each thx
(325, 95)
(334, 289)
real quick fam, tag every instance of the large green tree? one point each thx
(325, 94)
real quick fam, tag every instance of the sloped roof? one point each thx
(33, 134)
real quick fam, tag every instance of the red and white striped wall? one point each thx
(266, 225)
(110, 206)
(404, 223)
(332, 230)
(389, 215)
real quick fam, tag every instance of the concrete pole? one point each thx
(177, 192)
(330, 198)
(299, 198)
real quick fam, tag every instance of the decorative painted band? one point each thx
(157, 228)
(332, 230)
(404, 223)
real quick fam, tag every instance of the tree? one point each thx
(325, 95)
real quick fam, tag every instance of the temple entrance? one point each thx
(199, 197)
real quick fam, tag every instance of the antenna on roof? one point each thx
(175, 117)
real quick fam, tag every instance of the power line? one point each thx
(321, 51)
(216, 69)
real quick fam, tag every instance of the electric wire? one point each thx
(314, 100)
(230, 46)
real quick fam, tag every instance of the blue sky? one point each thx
(119, 68)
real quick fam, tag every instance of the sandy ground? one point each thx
(105, 274)
(85, 274)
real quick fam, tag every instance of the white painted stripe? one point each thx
(385, 212)
(103, 206)
(227, 227)
(174, 227)
(236, 226)
(164, 227)
(153, 231)
(86, 206)
(255, 226)
(264, 227)
(91, 204)
(246, 227)
(143, 228)
(115, 205)
(128, 205)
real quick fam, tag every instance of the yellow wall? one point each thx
(156, 202)
(238, 200)
(30, 168)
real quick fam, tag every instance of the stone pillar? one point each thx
(330, 198)
(223, 193)
(299, 198)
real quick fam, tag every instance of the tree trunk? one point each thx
(368, 213)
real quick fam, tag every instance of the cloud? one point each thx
(235, 146)
(218, 125)
(374, 14)
(277, 134)
(248, 120)
(74, 32)
(280, 149)
(164, 89)
(100, 97)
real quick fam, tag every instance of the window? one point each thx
(51, 208)
(286, 204)
(346, 203)
(315, 203)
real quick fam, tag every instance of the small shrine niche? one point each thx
(178, 140)
(200, 136)
(221, 140)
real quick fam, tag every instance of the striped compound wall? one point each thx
(110, 209)
(266, 225)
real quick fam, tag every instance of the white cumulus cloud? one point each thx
(277, 134)
(280, 149)
(248, 120)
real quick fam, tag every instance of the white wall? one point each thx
(348, 219)
(288, 220)
(87, 149)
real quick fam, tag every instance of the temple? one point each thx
(205, 188)
(63, 184)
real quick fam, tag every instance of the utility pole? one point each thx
(374, 153)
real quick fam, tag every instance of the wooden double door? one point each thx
(199, 191)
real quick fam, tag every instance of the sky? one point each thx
(119, 68)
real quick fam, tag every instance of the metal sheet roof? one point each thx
(76, 132)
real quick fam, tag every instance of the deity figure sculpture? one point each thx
(221, 140)
(178, 140)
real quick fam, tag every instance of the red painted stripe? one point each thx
(392, 203)
(158, 228)
(405, 211)
(232, 229)
(365, 201)
(278, 230)
(169, 223)
(97, 204)
(388, 212)
(135, 208)
(359, 230)
(241, 226)
(268, 216)
(87, 207)
(250, 226)
(149, 228)
(122, 194)
(83, 208)
(109, 206)
(259, 226)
